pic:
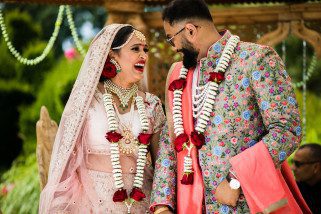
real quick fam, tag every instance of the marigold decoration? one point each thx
(113, 137)
(197, 136)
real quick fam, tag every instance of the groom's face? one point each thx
(176, 33)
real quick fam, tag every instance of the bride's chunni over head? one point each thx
(129, 55)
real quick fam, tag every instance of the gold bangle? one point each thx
(161, 209)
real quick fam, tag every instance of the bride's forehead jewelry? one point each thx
(139, 35)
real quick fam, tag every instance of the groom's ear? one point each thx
(191, 34)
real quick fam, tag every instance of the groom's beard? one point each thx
(190, 55)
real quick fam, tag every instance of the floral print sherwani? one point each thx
(255, 103)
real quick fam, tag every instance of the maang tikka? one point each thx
(139, 35)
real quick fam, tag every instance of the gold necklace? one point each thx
(123, 94)
(129, 143)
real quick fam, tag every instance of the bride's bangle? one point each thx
(160, 210)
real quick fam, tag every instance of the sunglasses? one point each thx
(170, 40)
(299, 163)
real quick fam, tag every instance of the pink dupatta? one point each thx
(267, 189)
(65, 189)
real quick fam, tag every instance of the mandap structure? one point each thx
(263, 21)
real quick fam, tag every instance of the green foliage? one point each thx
(24, 197)
(53, 94)
(21, 28)
(294, 62)
(34, 75)
(313, 134)
(313, 104)
(8, 63)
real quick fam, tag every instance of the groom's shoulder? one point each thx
(180, 63)
(252, 47)
(174, 65)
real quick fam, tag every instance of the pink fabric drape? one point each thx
(189, 197)
(264, 186)
(67, 173)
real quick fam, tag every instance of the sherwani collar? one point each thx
(208, 63)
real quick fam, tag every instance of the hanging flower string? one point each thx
(114, 137)
(308, 75)
(52, 39)
(73, 30)
(45, 52)
(197, 136)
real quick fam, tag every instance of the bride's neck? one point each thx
(121, 82)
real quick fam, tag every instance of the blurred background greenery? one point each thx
(24, 89)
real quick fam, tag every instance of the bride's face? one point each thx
(132, 60)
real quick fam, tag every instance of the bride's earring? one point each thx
(114, 62)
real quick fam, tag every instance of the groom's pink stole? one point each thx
(267, 189)
(189, 197)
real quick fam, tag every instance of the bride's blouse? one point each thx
(97, 151)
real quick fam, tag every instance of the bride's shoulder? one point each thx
(149, 97)
(152, 99)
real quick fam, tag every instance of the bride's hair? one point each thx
(121, 37)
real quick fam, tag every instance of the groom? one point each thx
(230, 109)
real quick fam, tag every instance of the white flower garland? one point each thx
(45, 52)
(73, 30)
(208, 105)
(52, 39)
(142, 149)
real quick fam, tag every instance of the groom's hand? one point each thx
(225, 195)
(160, 210)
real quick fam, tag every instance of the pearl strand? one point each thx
(207, 105)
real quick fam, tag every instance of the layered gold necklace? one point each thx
(123, 94)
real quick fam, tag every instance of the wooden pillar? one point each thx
(296, 28)
(126, 12)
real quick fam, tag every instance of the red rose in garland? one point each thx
(144, 138)
(179, 141)
(120, 195)
(109, 70)
(198, 139)
(217, 77)
(177, 84)
(113, 137)
(137, 194)
(188, 178)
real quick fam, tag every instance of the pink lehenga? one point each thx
(80, 176)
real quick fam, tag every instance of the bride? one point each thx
(102, 160)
